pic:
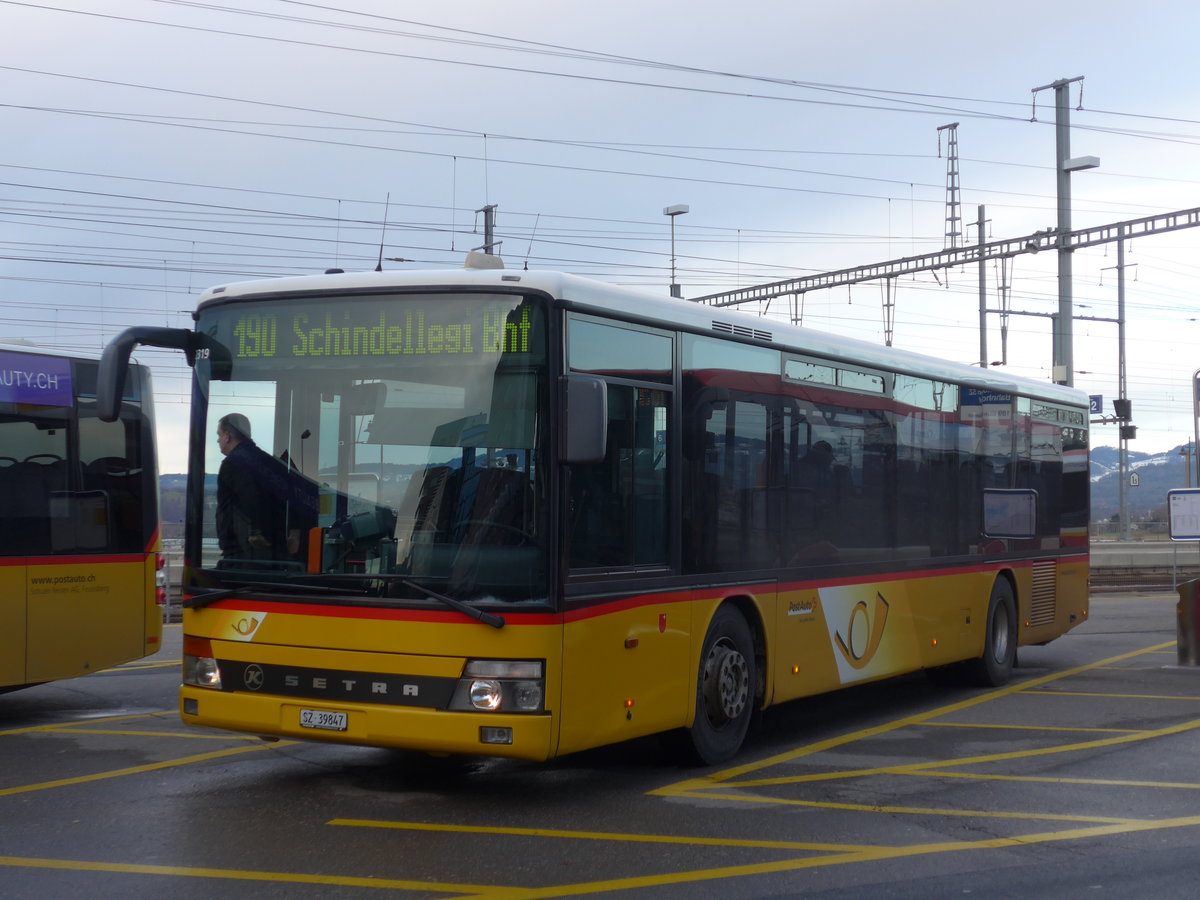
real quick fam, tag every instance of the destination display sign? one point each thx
(35, 380)
(365, 329)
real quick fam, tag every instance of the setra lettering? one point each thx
(346, 685)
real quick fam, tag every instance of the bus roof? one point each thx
(19, 346)
(650, 308)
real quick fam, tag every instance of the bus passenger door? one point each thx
(625, 672)
(625, 645)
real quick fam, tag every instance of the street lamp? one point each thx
(1066, 164)
(672, 211)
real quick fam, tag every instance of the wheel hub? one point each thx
(726, 682)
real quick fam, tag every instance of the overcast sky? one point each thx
(154, 148)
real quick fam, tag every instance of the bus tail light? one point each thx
(199, 665)
(160, 579)
(497, 685)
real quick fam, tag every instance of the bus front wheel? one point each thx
(725, 688)
(995, 666)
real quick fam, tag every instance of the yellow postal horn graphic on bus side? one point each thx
(864, 632)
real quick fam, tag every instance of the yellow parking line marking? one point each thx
(832, 854)
(617, 836)
(190, 734)
(80, 865)
(875, 854)
(161, 664)
(1098, 782)
(1133, 668)
(87, 726)
(908, 810)
(82, 723)
(137, 770)
(920, 768)
(723, 777)
(1036, 727)
(1111, 696)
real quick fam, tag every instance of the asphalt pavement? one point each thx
(1080, 778)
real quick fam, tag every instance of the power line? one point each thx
(914, 106)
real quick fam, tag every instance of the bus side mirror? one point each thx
(586, 419)
(114, 364)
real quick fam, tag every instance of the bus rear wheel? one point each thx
(725, 688)
(995, 666)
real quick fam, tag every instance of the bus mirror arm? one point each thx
(114, 363)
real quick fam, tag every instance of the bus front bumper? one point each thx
(370, 725)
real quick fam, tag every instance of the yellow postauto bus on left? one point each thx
(82, 575)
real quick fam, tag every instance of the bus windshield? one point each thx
(382, 446)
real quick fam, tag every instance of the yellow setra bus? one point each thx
(524, 514)
(82, 583)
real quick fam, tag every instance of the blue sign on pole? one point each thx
(1096, 404)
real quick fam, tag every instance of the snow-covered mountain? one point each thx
(1156, 474)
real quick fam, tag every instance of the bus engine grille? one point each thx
(1045, 592)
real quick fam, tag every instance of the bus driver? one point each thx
(251, 496)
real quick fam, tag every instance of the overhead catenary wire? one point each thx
(627, 253)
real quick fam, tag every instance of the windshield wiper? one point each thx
(252, 587)
(212, 595)
(465, 608)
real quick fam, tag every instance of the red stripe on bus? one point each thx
(602, 607)
(71, 560)
(85, 560)
(360, 612)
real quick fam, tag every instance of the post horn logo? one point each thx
(864, 632)
(245, 626)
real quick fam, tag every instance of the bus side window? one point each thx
(619, 506)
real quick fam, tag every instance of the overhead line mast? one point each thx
(945, 259)
(954, 230)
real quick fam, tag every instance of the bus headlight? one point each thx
(486, 693)
(497, 685)
(202, 671)
(199, 665)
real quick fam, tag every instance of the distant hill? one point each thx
(171, 491)
(1156, 474)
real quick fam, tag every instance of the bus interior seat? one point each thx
(501, 502)
(26, 488)
(428, 496)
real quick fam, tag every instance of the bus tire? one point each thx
(995, 666)
(725, 688)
